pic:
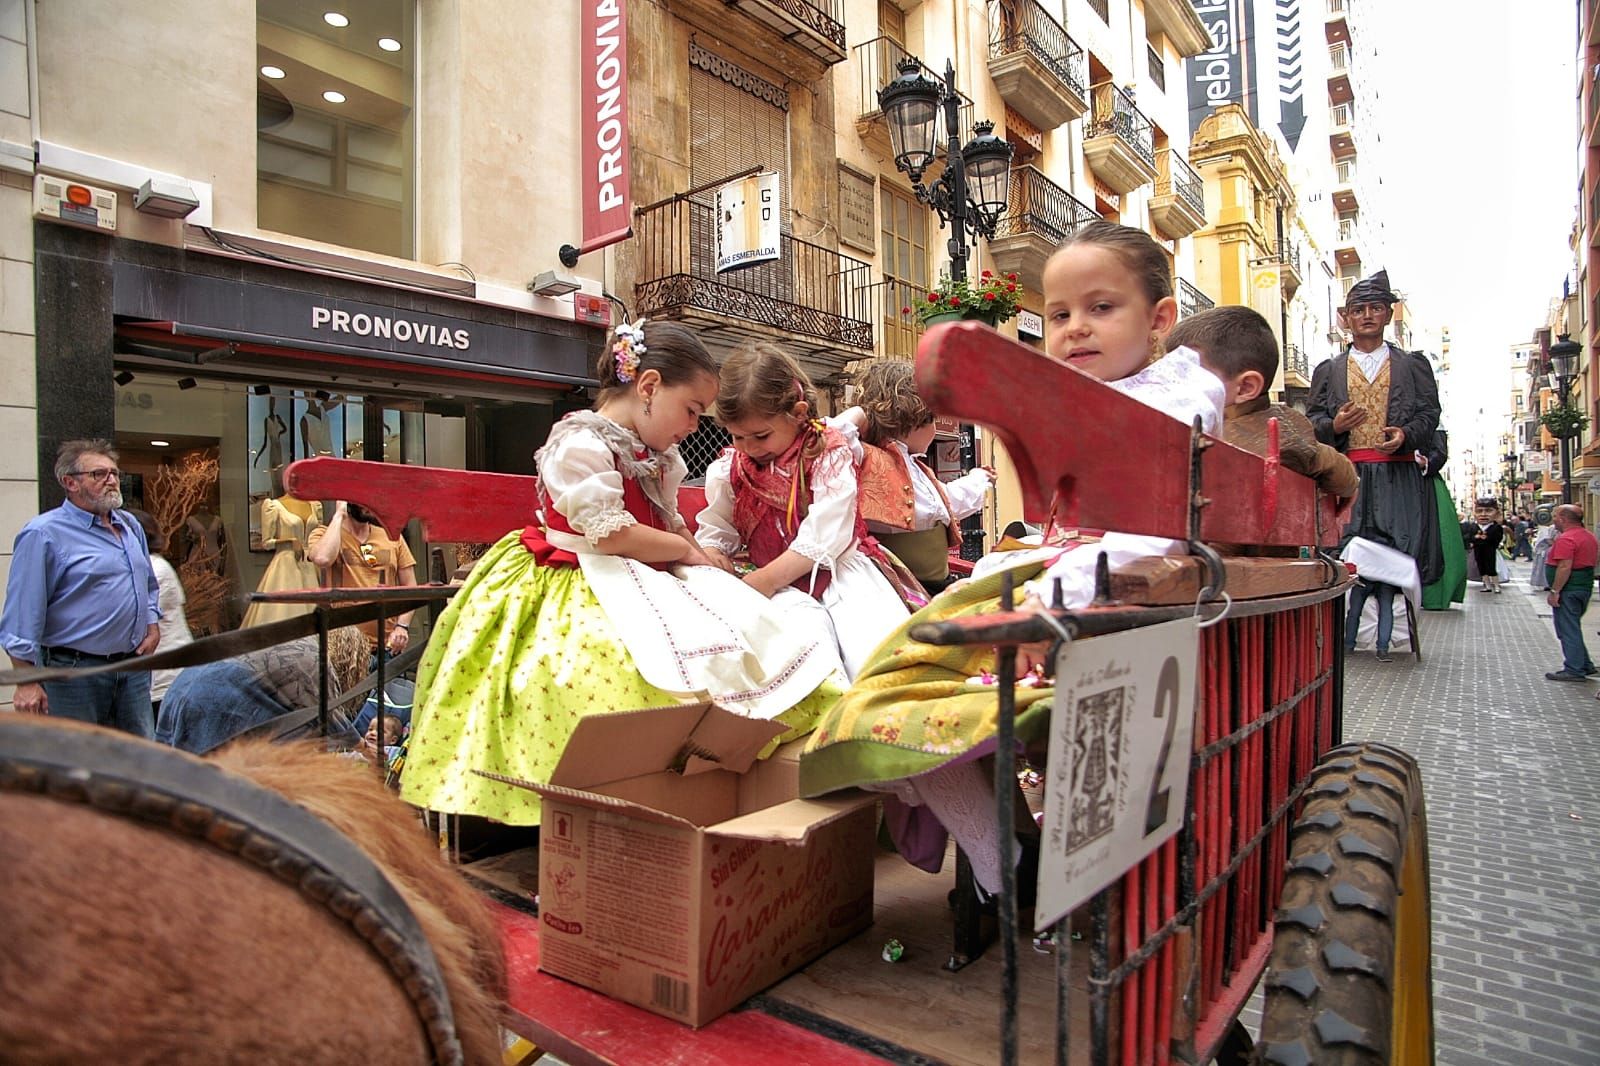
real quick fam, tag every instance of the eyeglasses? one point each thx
(369, 555)
(103, 474)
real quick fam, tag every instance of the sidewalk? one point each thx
(1511, 768)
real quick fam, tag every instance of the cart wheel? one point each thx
(1350, 980)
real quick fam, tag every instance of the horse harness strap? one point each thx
(175, 791)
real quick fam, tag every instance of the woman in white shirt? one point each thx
(174, 626)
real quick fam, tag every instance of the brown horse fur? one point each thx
(125, 942)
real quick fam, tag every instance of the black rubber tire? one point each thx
(1349, 981)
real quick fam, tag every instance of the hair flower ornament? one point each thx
(627, 349)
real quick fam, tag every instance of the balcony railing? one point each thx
(1295, 362)
(1289, 255)
(878, 63)
(1040, 206)
(1339, 58)
(1101, 8)
(1336, 7)
(1175, 177)
(1025, 26)
(1344, 172)
(808, 290)
(1349, 230)
(823, 17)
(1339, 116)
(1192, 301)
(1116, 114)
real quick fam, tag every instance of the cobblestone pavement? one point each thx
(1511, 772)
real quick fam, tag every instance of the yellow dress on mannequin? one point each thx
(286, 522)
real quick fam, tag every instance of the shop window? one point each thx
(334, 149)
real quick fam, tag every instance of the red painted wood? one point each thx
(1112, 462)
(470, 506)
(582, 1027)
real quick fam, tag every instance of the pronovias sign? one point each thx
(604, 96)
(388, 327)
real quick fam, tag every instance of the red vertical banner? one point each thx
(604, 99)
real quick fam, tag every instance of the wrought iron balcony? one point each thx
(1296, 367)
(1192, 301)
(1291, 273)
(1179, 205)
(1040, 215)
(815, 295)
(877, 64)
(1039, 70)
(1120, 142)
(1101, 8)
(807, 33)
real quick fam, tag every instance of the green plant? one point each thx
(1564, 421)
(992, 296)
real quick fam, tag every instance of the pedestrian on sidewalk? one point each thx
(1569, 569)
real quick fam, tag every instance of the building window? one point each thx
(334, 107)
(904, 245)
(1158, 67)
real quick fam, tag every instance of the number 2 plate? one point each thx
(1121, 732)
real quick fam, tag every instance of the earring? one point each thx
(647, 405)
(1157, 349)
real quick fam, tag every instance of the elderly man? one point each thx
(1569, 571)
(82, 593)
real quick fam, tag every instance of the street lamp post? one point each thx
(973, 191)
(1564, 360)
(971, 194)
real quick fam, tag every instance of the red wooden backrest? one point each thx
(469, 506)
(1109, 460)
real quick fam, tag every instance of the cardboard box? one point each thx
(679, 873)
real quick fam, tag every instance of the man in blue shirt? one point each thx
(82, 593)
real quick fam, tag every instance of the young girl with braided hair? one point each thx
(604, 603)
(785, 495)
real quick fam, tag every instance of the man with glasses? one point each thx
(1379, 405)
(82, 593)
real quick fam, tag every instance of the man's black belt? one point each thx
(116, 657)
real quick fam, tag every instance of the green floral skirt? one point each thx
(913, 707)
(518, 657)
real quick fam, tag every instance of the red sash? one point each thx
(1372, 455)
(547, 554)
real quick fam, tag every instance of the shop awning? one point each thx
(198, 345)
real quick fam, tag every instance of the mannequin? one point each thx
(273, 430)
(286, 522)
(315, 433)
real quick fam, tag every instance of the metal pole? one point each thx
(955, 177)
(1565, 386)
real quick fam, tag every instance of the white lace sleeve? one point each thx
(714, 525)
(850, 431)
(583, 483)
(829, 528)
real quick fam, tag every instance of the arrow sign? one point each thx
(1291, 74)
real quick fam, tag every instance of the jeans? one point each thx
(1569, 630)
(121, 701)
(1358, 601)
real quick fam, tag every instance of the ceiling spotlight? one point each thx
(161, 444)
(553, 283)
(388, 44)
(122, 377)
(272, 72)
(260, 390)
(333, 97)
(187, 383)
(336, 20)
